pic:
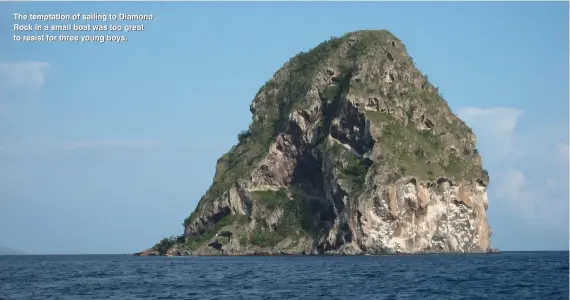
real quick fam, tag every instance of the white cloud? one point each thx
(20, 82)
(541, 204)
(27, 75)
(501, 119)
(514, 188)
(551, 182)
(529, 173)
(496, 126)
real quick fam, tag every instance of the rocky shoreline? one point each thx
(283, 253)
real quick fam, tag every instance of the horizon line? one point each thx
(403, 254)
(337, 1)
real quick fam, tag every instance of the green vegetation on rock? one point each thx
(165, 244)
(193, 242)
(353, 168)
(296, 221)
(272, 199)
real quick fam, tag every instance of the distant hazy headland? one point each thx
(10, 251)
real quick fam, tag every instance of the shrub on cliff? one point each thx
(165, 244)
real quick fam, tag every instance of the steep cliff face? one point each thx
(351, 150)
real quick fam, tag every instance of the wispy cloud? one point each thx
(54, 147)
(20, 82)
(542, 203)
(514, 188)
(495, 125)
(90, 144)
(563, 153)
(28, 75)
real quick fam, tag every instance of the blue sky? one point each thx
(106, 148)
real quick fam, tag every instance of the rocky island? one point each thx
(351, 150)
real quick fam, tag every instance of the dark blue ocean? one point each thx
(510, 275)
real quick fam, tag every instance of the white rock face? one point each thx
(414, 218)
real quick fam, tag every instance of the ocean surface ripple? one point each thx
(509, 275)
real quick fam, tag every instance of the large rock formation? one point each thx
(351, 150)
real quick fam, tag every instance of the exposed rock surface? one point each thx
(351, 151)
